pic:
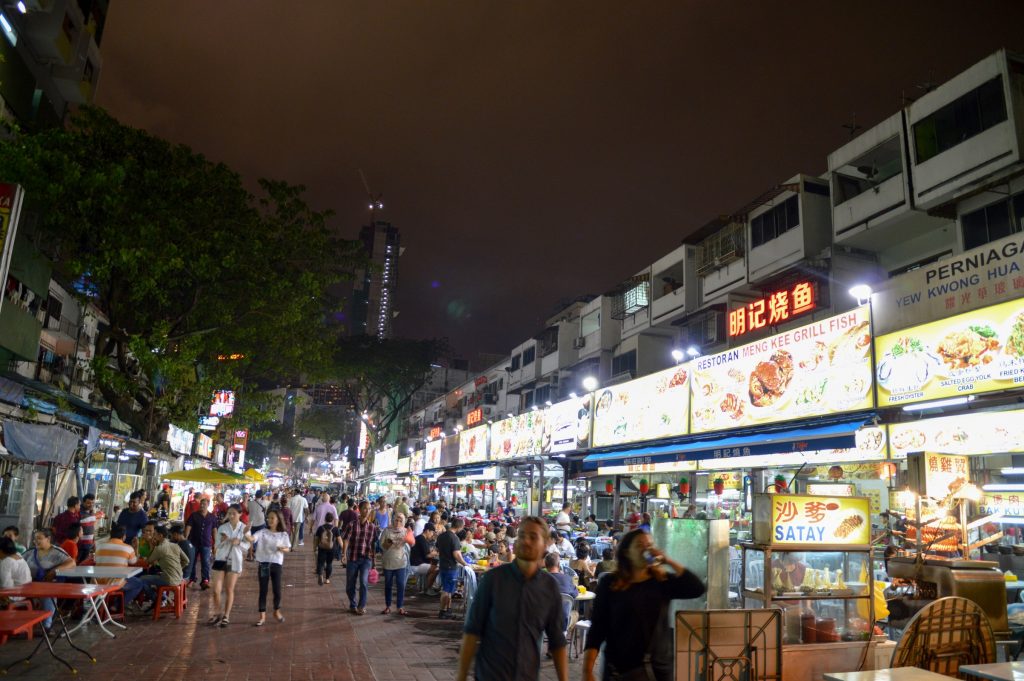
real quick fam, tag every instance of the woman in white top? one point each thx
(14, 571)
(272, 542)
(230, 546)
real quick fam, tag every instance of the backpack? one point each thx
(326, 540)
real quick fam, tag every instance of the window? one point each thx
(775, 222)
(528, 399)
(542, 395)
(528, 355)
(515, 362)
(960, 120)
(993, 222)
(590, 322)
(868, 170)
(815, 188)
(54, 307)
(624, 363)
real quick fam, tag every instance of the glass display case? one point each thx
(824, 592)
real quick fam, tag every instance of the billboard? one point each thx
(567, 425)
(432, 455)
(416, 462)
(794, 519)
(204, 446)
(385, 461)
(969, 353)
(223, 403)
(518, 436)
(982, 433)
(648, 408)
(819, 369)
(473, 445)
(179, 439)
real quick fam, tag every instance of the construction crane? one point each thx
(374, 203)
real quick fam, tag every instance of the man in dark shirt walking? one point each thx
(199, 531)
(450, 561)
(515, 604)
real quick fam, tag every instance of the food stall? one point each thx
(811, 557)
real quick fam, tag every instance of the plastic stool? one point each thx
(177, 604)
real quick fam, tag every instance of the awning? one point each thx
(39, 443)
(834, 436)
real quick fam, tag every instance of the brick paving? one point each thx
(319, 640)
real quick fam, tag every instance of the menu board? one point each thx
(796, 519)
(416, 461)
(567, 425)
(982, 433)
(386, 460)
(730, 479)
(450, 451)
(831, 489)
(518, 436)
(432, 455)
(404, 465)
(649, 408)
(944, 474)
(1010, 504)
(814, 370)
(473, 445)
(969, 353)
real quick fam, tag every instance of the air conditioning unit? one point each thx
(578, 343)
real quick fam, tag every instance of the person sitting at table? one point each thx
(73, 534)
(582, 565)
(147, 540)
(178, 537)
(165, 555)
(563, 545)
(423, 556)
(466, 545)
(499, 554)
(14, 571)
(607, 563)
(12, 532)
(552, 565)
(44, 559)
(591, 527)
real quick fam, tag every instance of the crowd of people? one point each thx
(532, 568)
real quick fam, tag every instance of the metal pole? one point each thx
(529, 491)
(540, 490)
(615, 502)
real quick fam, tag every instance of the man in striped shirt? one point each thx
(115, 553)
(87, 517)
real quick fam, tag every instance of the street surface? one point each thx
(319, 640)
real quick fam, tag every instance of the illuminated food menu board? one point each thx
(432, 455)
(386, 460)
(567, 425)
(518, 436)
(793, 519)
(969, 353)
(944, 474)
(982, 433)
(649, 408)
(473, 445)
(416, 461)
(814, 370)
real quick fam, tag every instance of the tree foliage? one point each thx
(184, 262)
(329, 424)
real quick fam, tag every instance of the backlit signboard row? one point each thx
(385, 461)
(648, 408)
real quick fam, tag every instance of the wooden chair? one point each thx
(944, 635)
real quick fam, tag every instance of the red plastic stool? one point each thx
(177, 604)
(115, 598)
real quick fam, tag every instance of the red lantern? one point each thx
(609, 486)
(491, 486)
(644, 487)
(780, 483)
(684, 486)
(718, 485)
(515, 500)
(469, 490)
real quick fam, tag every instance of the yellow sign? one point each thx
(662, 467)
(1010, 504)
(819, 520)
(730, 479)
(649, 408)
(822, 368)
(875, 495)
(944, 474)
(969, 353)
(983, 433)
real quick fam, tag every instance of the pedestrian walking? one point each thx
(272, 542)
(515, 604)
(327, 544)
(638, 592)
(450, 561)
(257, 516)
(229, 555)
(359, 540)
(200, 529)
(298, 505)
(395, 542)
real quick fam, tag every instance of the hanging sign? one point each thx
(775, 308)
(798, 519)
(944, 474)
(473, 445)
(475, 417)
(648, 408)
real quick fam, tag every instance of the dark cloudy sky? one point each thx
(529, 151)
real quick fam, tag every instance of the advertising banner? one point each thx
(241, 439)
(473, 445)
(179, 439)
(223, 403)
(385, 461)
(518, 436)
(795, 519)
(567, 425)
(416, 462)
(403, 465)
(450, 451)
(970, 353)
(995, 432)
(432, 455)
(730, 479)
(648, 408)
(983, 276)
(204, 446)
(944, 474)
(1010, 504)
(819, 369)
(638, 465)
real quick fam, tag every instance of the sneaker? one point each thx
(205, 585)
(302, 543)
(353, 610)
(320, 580)
(361, 611)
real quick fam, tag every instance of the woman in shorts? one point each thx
(230, 545)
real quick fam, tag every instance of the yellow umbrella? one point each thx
(207, 475)
(254, 475)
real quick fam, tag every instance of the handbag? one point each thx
(373, 577)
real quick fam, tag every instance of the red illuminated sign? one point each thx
(774, 308)
(240, 440)
(474, 417)
(435, 432)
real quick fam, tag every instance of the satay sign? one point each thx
(798, 519)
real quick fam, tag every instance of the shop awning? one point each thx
(833, 436)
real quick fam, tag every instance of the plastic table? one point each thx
(1000, 671)
(90, 594)
(14, 622)
(92, 573)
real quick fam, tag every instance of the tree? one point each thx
(186, 264)
(330, 425)
(380, 376)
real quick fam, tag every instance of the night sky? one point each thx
(530, 152)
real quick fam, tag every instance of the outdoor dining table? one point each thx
(88, 593)
(897, 674)
(91, 573)
(999, 671)
(14, 622)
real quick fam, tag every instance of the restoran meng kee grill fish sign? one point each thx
(817, 369)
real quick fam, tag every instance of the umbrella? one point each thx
(207, 475)
(254, 475)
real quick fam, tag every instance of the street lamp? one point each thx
(677, 355)
(693, 351)
(862, 292)
(309, 469)
(590, 384)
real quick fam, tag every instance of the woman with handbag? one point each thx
(272, 542)
(229, 555)
(395, 542)
(637, 593)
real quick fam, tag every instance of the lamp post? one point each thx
(309, 468)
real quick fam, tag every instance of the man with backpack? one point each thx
(326, 541)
